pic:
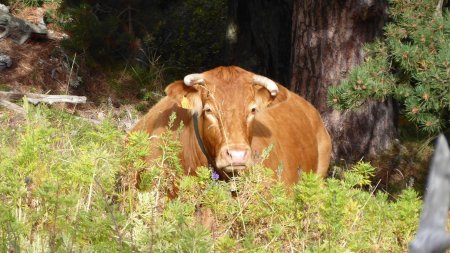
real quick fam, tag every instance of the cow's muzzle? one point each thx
(234, 158)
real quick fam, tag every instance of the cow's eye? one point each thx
(253, 110)
(207, 110)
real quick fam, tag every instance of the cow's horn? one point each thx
(266, 82)
(192, 79)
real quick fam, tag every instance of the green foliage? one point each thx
(197, 35)
(360, 175)
(412, 64)
(150, 78)
(187, 35)
(54, 169)
(141, 45)
(68, 186)
(99, 38)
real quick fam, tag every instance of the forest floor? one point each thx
(42, 66)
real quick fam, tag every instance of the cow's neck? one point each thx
(200, 143)
(192, 156)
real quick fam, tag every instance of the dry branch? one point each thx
(12, 106)
(42, 98)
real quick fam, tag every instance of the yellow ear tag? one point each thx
(186, 104)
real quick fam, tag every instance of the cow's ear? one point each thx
(265, 99)
(187, 97)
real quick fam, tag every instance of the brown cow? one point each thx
(239, 115)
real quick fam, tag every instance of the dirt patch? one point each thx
(40, 65)
(35, 67)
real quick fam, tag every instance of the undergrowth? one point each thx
(68, 186)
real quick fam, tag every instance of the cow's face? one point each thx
(227, 100)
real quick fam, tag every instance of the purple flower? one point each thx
(214, 175)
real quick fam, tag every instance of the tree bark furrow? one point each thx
(327, 37)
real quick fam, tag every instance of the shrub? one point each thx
(66, 185)
(188, 35)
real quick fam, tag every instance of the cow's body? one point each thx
(288, 122)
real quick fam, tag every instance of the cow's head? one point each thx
(226, 100)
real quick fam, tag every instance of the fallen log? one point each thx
(35, 98)
(11, 106)
(21, 111)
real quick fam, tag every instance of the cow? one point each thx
(231, 115)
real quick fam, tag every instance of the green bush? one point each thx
(187, 35)
(411, 64)
(100, 39)
(191, 37)
(66, 185)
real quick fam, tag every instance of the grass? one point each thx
(68, 186)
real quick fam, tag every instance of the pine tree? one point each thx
(411, 64)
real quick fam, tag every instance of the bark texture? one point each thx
(327, 40)
(259, 37)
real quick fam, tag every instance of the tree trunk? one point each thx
(327, 40)
(259, 36)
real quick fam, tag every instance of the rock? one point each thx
(3, 31)
(17, 29)
(5, 61)
(4, 8)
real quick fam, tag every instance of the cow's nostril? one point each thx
(237, 156)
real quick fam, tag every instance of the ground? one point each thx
(42, 66)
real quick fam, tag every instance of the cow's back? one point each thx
(298, 135)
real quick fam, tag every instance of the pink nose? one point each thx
(237, 156)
